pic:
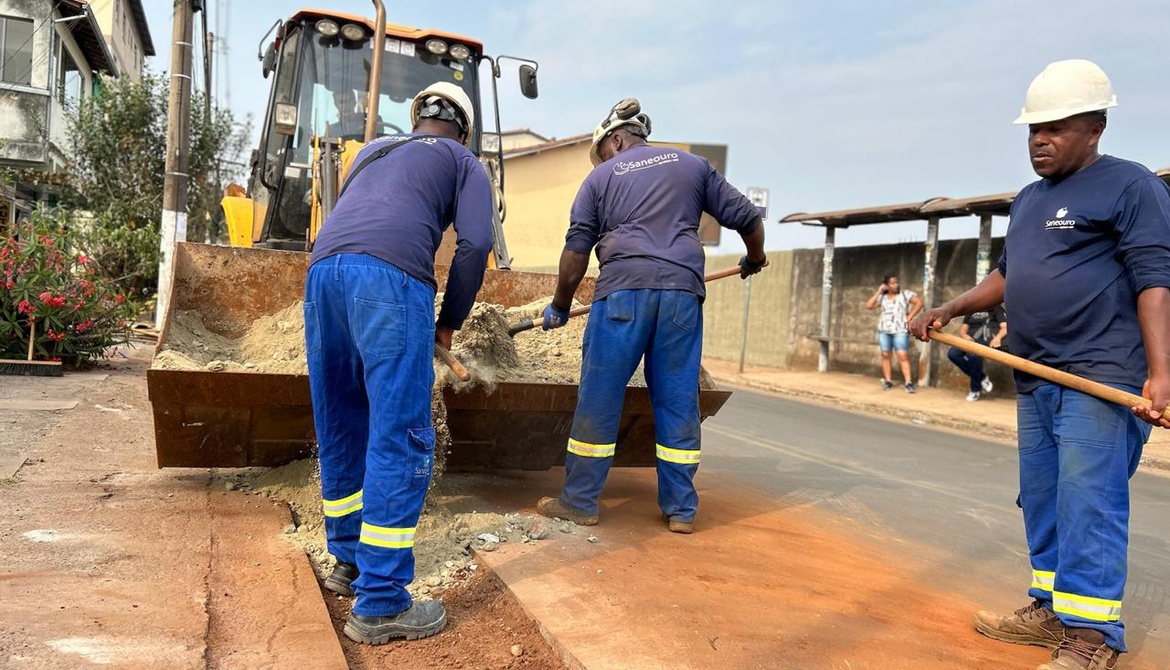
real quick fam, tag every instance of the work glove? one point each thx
(554, 317)
(748, 268)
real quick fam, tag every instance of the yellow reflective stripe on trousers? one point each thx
(1045, 581)
(391, 538)
(347, 505)
(681, 456)
(1093, 609)
(591, 450)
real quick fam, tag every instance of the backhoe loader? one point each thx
(339, 80)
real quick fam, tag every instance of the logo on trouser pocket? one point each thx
(422, 457)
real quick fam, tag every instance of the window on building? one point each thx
(69, 83)
(16, 49)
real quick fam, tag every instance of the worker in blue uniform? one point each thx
(1085, 274)
(640, 209)
(370, 331)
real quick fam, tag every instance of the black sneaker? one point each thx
(340, 581)
(423, 619)
(911, 387)
(887, 385)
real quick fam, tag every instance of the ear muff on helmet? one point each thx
(627, 115)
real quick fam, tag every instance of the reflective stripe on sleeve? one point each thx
(1093, 609)
(1045, 581)
(390, 538)
(347, 505)
(680, 456)
(591, 450)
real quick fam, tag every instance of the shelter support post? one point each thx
(983, 257)
(826, 296)
(930, 265)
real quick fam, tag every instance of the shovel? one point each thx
(1053, 375)
(452, 362)
(529, 324)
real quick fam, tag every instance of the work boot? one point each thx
(1034, 624)
(340, 581)
(555, 509)
(423, 619)
(677, 525)
(1082, 649)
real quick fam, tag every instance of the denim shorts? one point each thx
(899, 341)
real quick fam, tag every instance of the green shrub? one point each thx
(46, 282)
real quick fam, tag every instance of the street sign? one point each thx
(759, 198)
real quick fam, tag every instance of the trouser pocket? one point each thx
(422, 457)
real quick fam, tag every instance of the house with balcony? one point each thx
(51, 55)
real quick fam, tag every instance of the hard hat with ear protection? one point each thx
(627, 114)
(447, 102)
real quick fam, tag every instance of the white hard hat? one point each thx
(429, 103)
(626, 113)
(1067, 88)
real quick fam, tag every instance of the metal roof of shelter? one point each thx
(942, 208)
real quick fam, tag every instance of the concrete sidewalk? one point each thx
(107, 561)
(991, 417)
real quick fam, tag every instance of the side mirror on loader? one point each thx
(528, 81)
(268, 63)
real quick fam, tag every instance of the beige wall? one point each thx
(769, 313)
(121, 35)
(540, 189)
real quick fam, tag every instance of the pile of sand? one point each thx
(445, 538)
(276, 344)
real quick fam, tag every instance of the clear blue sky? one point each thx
(830, 105)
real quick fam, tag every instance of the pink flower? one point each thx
(81, 260)
(24, 307)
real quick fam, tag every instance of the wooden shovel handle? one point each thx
(452, 362)
(1061, 377)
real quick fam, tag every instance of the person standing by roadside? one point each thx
(988, 328)
(898, 307)
(1085, 274)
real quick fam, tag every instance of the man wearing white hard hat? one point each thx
(370, 335)
(1088, 249)
(640, 209)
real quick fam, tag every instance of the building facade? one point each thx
(123, 24)
(51, 55)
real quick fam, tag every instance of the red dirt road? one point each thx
(757, 586)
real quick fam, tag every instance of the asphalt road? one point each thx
(944, 496)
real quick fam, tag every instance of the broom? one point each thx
(30, 367)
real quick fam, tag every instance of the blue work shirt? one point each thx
(397, 208)
(641, 210)
(1077, 254)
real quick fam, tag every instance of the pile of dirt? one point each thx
(445, 538)
(275, 343)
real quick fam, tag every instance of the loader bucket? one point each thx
(238, 419)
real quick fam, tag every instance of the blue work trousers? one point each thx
(369, 332)
(970, 364)
(665, 328)
(1077, 454)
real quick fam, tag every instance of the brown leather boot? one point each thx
(678, 525)
(555, 509)
(1082, 649)
(1034, 624)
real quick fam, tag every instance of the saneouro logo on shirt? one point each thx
(1060, 222)
(623, 167)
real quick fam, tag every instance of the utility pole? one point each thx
(175, 181)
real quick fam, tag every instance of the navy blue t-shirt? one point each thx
(397, 208)
(641, 210)
(1077, 254)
